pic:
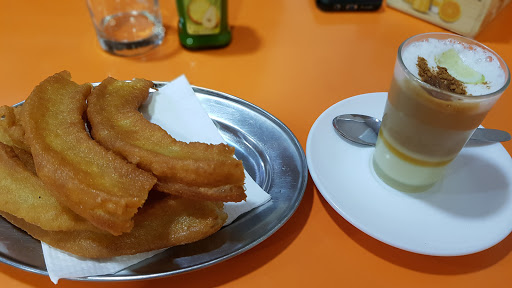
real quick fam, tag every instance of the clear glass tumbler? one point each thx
(424, 125)
(127, 27)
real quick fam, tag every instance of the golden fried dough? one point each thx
(25, 158)
(82, 175)
(24, 195)
(160, 224)
(193, 170)
(11, 131)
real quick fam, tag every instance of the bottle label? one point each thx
(203, 17)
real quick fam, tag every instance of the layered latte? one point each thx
(443, 87)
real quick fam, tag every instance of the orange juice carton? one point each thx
(464, 17)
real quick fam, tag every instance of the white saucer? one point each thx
(468, 211)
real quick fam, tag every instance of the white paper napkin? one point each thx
(176, 109)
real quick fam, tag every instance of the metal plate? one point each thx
(271, 155)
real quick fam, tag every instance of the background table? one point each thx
(294, 61)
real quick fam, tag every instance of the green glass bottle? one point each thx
(203, 24)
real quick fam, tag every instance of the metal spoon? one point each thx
(363, 129)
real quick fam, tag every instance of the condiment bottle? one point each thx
(203, 24)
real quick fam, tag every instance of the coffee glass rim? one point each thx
(466, 40)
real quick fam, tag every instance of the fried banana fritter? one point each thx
(160, 224)
(23, 194)
(193, 170)
(84, 176)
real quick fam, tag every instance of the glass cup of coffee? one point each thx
(442, 88)
(127, 27)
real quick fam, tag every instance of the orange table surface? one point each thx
(294, 61)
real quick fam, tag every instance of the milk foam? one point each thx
(476, 58)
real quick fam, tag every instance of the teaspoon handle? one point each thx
(490, 135)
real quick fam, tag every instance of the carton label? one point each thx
(465, 17)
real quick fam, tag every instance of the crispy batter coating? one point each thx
(193, 170)
(25, 158)
(24, 195)
(92, 181)
(15, 140)
(11, 130)
(160, 224)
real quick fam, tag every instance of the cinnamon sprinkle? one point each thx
(439, 78)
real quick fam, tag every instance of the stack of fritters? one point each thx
(131, 189)
(198, 170)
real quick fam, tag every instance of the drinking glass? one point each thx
(127, 27)
(423, 127)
